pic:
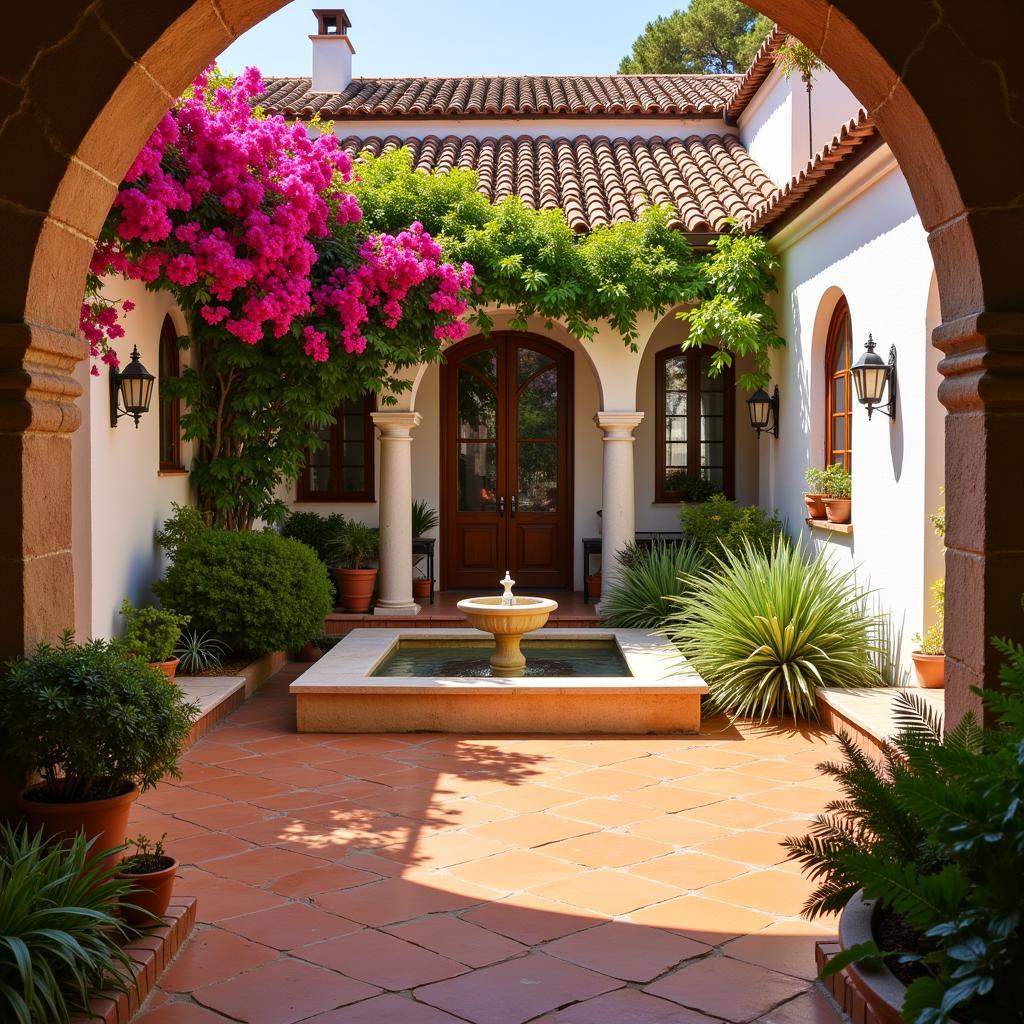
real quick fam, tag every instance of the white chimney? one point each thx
(332, 51)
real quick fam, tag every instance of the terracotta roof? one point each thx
(835, 159)
(753, 78)
(530, 95)
(601, 180)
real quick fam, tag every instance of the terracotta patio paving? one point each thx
(429, 879)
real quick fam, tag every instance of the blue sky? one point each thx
(453, 37)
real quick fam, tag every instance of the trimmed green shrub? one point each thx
(765, 629)
(935, 834)
(150, 633)
(690, 488)
(718, 523)
(640, 597)
(313, 529)
(59, 933)
(185, 522)
(258, 592)
(90, 721)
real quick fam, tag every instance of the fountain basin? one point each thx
(507, 623)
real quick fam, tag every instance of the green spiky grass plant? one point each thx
(59, 936)
(640, 597)
(199, 652)
(766, 629)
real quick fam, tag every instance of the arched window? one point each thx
(838, 399)
(170, 408)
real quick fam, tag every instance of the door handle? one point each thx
(501, 508)
(513, 510)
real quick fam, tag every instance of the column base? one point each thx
(396, 610)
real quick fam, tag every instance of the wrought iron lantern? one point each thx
(764, 411)
(872, 377)
(130, 390)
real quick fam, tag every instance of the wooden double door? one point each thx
(506, 463)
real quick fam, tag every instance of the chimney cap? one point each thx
(332, 21)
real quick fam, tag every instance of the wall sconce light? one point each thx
(764, 411)
(870, 375)
(130, 390)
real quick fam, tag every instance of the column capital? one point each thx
(394, 424)
(618, 426)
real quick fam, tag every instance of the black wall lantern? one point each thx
(870, 375)
(130, 390)
(764, 411)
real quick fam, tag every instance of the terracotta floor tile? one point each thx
(810, 1008)
(726, 782)
(294, 924)
(385, 1009)
(372, 744)
(779, 771)
(531, 919)
(242, 787)
(213, 955)
(714, 756)
(179, 1013)
(786, 947)
(530, 830)
(458, 939)
(295, 800)
(596, 753)
(400, 899)
(736, 814)
(530, 798)
(328, 878)
(510, 872)
(689, 870)
(606, 892)
(727, 988)
(382, 960)
(283, 992)
(805, 799)
(627, 951)
(670, 798)
(173, 799)
(659, 768)
(515, 991)
(626, 1006)
(220, 898)
(604, 782)
(263, 864)
(776, 892)
(677, 830)
(752, 847)
(607, 850)
(443, 851)
(223, 816)
(206, 846)
(706, 920)
(602, 811)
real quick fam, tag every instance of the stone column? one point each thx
(395, 590)
(618, 490)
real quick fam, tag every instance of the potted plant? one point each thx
(152, 634)
(837, 487)
(424, 519)
(815, 493)
(96, 728)
(594, 586)
(929, 658)
(151, 873)
(349, 551)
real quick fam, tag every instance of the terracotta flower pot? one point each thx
(930, 670)
(594, 587)
(815, 506)
(355, 587)
(152, 895)
(875, 983)
(421, 589)
(837, 509)
(169, 668)
(309, 653)
(106, 821)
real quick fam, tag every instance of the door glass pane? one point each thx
(478, 406)
(839, 394)
(675, 421)
(478, 477)
(538, 477)
(530, 362)
(485, 362)
(538, 405)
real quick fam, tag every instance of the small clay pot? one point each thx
(152, 893)
(169, 668)
(815, 506)
(594, 587)
(355, 587)
(930, 670)
(421, 588)
(309, 653)
(838, 509)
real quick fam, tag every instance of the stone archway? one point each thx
(943, 81)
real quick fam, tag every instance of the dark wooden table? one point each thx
(425, 546)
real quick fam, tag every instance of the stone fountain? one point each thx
(507, 618)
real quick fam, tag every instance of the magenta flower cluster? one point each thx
(224, 209)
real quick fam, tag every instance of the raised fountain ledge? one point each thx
(338, 693)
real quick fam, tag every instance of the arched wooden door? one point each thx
(506, 462)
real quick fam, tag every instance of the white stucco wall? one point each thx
(864, 240)
(120, 497)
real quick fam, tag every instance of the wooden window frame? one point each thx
(693, 439)
(304, 492)
(840, 317)
(169, 343)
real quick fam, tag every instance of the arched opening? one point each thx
(839, 392)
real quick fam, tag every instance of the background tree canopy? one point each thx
(711, 36)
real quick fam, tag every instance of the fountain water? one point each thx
(507, 618)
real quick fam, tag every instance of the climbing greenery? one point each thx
(534, 263)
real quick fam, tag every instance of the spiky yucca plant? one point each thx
(640, 597)
(766, 629)
(59, 936)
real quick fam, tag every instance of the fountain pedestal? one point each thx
(507, 623)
